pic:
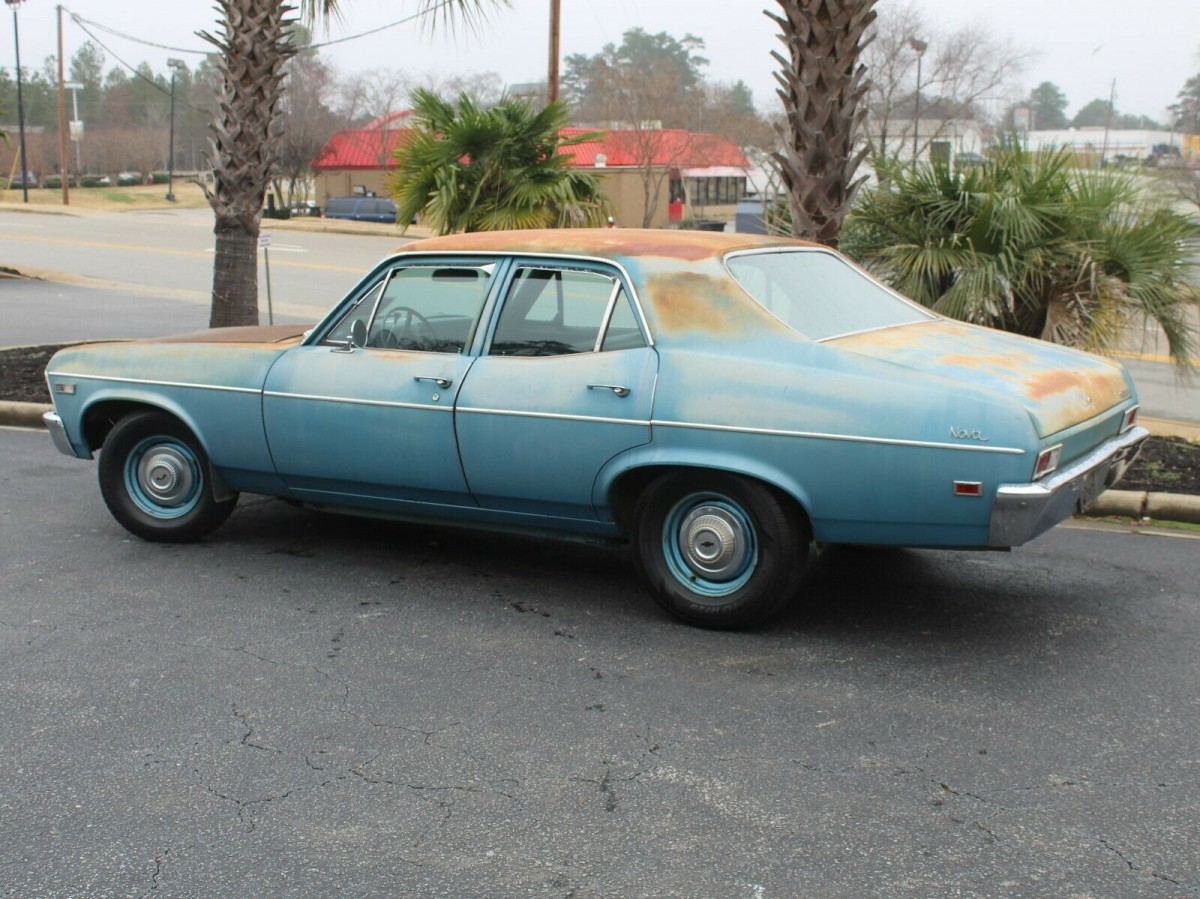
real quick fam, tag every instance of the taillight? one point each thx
(1047, 461)
(1130, 419)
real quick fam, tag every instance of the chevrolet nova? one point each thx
(722, 402)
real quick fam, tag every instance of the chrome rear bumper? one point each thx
(1023, 511)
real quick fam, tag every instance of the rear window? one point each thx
(820, 294)
(341, 206)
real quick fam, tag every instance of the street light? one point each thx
(919, 46)
(174, 65)
(20, 104)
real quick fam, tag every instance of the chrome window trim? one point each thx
(394, 263)
(608, 313)
(872, 330)
(558, 416)
(849, 438)
(522, 257)
(151, 382)
(929, 315)
(355, 401)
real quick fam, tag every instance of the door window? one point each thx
(554, 312)
(425, 308)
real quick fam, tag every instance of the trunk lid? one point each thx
(1058, 386)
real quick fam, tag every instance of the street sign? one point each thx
(264, 240)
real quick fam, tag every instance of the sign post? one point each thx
(264, 241)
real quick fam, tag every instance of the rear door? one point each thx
(565, 382)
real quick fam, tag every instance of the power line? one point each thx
(80, 20)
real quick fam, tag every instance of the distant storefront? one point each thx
(686, 175)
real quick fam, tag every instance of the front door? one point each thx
(367, 413)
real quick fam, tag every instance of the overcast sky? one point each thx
(1150, 48)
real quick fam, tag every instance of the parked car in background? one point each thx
(719, 401)
(361, 209)
(19, 180)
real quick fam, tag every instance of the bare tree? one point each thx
(307, 121)
(960, 71)
(486, 88)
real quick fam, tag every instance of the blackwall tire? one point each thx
(717, 550)
(154, 477)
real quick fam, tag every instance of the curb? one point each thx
(1144, 504)
(1136, 504)
(22, 415)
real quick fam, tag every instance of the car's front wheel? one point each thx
(718, 550)
(154, 478)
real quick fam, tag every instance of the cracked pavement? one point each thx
(310, 706)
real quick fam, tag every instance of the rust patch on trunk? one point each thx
(1099, 390)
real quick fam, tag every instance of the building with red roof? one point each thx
(670, 172)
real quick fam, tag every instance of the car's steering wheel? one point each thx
(415, 327)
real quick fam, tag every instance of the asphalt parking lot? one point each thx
(310, 706)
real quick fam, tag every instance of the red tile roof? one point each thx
(360, 149)
(372, 148)
(671, 147)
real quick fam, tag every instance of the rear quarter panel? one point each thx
(864, 446)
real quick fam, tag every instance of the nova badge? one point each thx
(966, 434)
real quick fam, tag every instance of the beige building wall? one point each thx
(343, 184)
(622, 186)
(627, 196)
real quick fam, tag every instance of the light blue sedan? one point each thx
(720, 401)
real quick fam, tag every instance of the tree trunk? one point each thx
(235, 275)
(245, 147)
(822, 86)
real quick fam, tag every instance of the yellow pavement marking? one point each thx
(164, 251)
(1147, 357)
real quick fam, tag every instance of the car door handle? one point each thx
(615, 388)
(441, 382)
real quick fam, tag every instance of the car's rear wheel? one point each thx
(154, 478)
(718, 550)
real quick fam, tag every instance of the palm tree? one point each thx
(467, 168)
(254, 48)
(822, 85)
(1030, 244)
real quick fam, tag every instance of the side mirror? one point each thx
(358, 333)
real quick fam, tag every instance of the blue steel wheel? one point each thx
(718, 550)
(163, 477)
(154, 477)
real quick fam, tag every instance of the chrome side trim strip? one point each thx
(151, 382)
(352, 401)
(641, 423)
(850, 438)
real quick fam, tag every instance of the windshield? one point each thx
(819, 294)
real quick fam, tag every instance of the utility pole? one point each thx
(552, 75)
(63, 167)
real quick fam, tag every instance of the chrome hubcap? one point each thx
(713, 543)
(166, 476)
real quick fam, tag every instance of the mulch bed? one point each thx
(1166, 464)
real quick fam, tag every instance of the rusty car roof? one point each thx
(604, 242)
